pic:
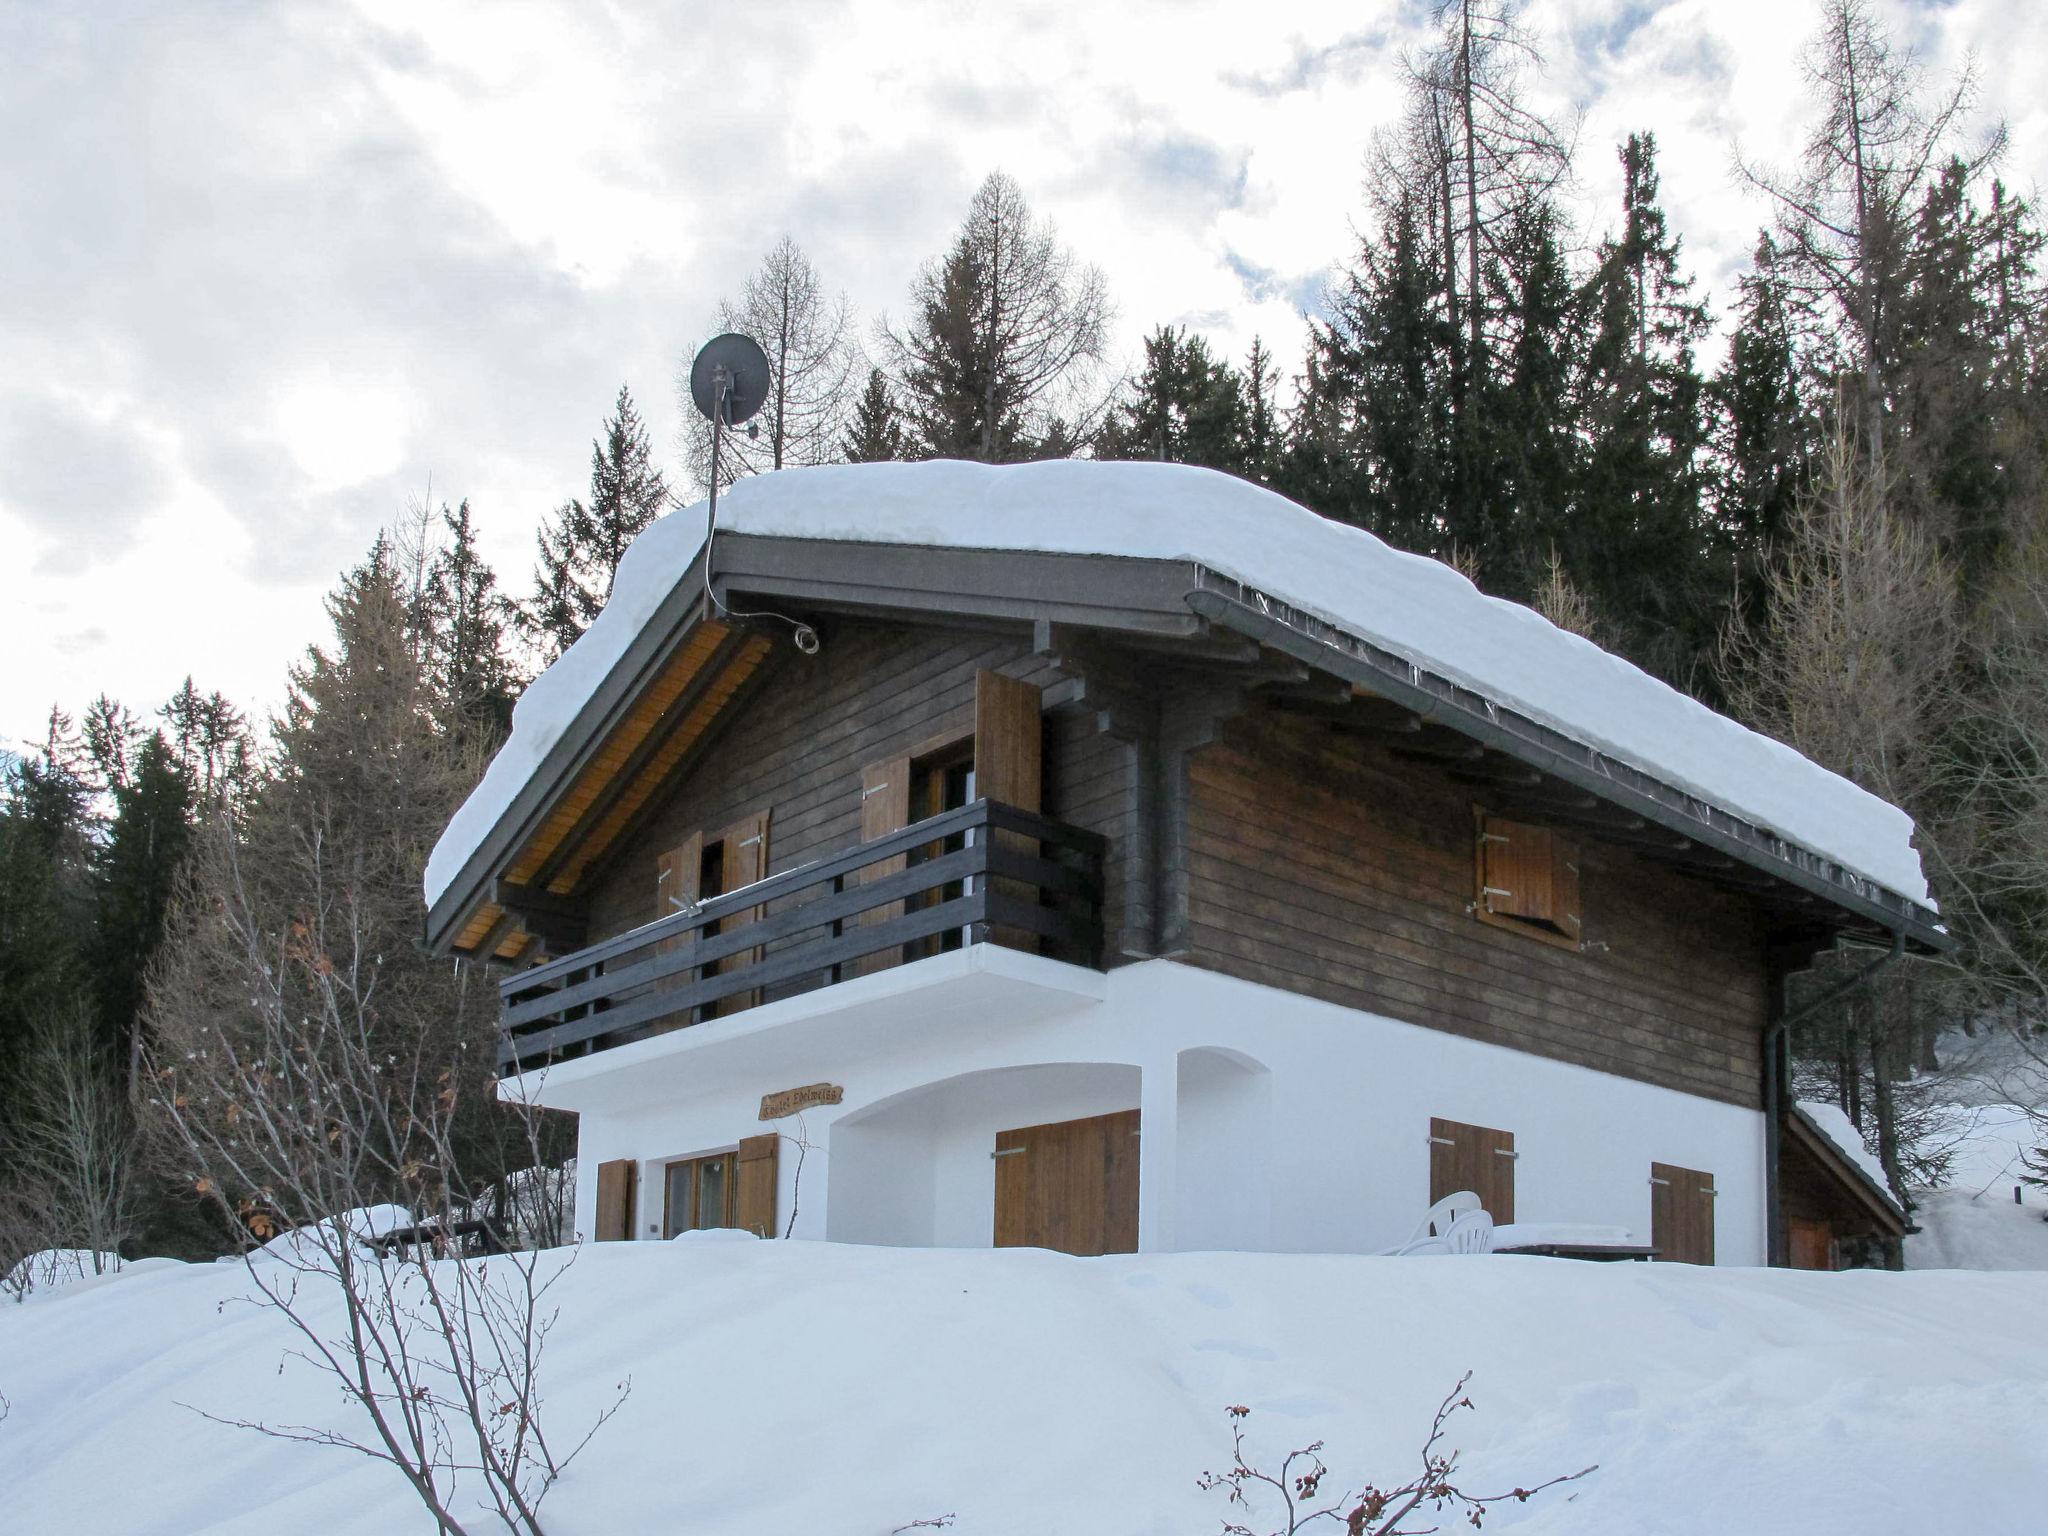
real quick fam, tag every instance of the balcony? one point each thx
(986, 873)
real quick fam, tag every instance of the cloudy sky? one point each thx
(269, 272)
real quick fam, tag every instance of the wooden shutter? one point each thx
(678, 882)
(884, 808)
(755, 1183)
(1476, 1158)
(615, 1189)
(1528, 875)
(743, 859)
(1070, 1186)
(1009, 751)
(1009, 741)
(1682, 1214)
(679, 876)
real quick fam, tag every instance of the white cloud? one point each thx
(266, 271)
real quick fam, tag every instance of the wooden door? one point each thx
(1070, 1186)
(1682, 1214)
(1473, 1157)
(1809, 1244)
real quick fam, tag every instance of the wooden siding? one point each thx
(1330, 868)
(796, 749)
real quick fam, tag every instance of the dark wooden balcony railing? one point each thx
(986, 872)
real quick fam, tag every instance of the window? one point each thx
(723, 1189)
(698, 1193)
(1473, 1157)
(1528, 879)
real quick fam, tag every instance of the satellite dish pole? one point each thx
(729, 383)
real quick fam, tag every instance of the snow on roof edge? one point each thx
(1410, 605)
(1829, 1120)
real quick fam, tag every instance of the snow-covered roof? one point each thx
(1829, 1120)
(1417, 608)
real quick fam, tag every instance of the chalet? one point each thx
(1118, 856)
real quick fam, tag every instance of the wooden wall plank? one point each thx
(1326, 867)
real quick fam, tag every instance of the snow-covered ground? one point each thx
(1972, 1221)
(831, 1389)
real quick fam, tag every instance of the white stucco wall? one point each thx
(1271, 1121)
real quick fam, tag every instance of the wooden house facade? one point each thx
(1103, 901)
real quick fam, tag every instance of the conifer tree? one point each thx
(331, 840)
(1637, 539)
(1765, 433)
(581, 544)
(1005, 331)
(875, 434)
(1369, 442)
(135, 877)
(1184, 408)
(1259, 456)
(1535, 434)
(210, 740)
(471, 677)
(44, 904)
(1844, 211)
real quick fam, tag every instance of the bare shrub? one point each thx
(1373, 1510)
(306, 1101)
(70, 1190)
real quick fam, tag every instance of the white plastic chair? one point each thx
(1433, 1233)
(1471, 1232)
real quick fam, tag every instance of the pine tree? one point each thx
(875, 434)
(472, 679)
(45, 909)
(1185, 408)
(210, 739)
(1637, 540)
(1765, 433)
(1369, 441)
(112, 733)
(1259, 456)
(135, 877)
(1535, 433)
(581, 545)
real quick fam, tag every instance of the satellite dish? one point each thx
(736, 363)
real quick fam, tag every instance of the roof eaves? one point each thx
(1822, 1146)
(1279, 624)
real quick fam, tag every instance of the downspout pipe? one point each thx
(1776, 1083)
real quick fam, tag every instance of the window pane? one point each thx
(711, 1193)
(679, 1213)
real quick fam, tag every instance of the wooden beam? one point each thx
(630, 835)
(707, 677)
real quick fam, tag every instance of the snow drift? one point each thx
(849, 1391)
(1417, 608)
